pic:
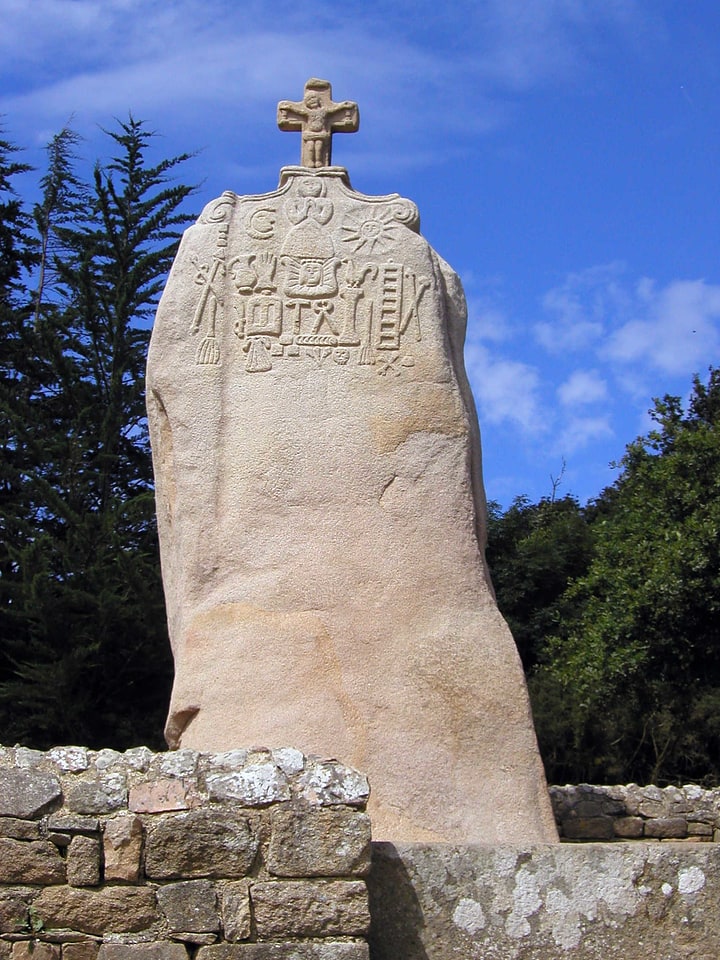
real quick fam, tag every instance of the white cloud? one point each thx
(581, 307)
(638, 326)
(677, 332)
(580, 432)
(582, 387)
(506, 390)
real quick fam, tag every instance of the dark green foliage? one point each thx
(630, 684)
(84, 655)
(534, 551)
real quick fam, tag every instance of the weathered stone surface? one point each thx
(329, 783)
(190, 906)
(256, 785)
(107, 793)
(236, 914)
(83, 862)
(14, 909)
(303, 908)
(72, 823)
(589, 828)
(306, 382)
(284, 951)
(585, 901)
(666, 828)
(318, 842)
(200, 843)
(123, 845)
(35, 950)
(86, 950)
(628, 827)
(19, 829)
(26, 794)
(70, 759)
(157, 796)
(30, 861)
(108, 910)
(159, 950)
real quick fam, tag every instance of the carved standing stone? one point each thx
(322, 515)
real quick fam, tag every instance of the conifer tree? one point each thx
(89, 661)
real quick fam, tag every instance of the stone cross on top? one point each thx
(318, 118)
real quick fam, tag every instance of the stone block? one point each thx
(30, 861)
(698, 829)
(122, 846)
(200, 843)
(72, 823)
(285, 951)
(666, 828)
(85, 950)
(95, 797)
(17, 829)
(190, 906)
(159, 796)
(330, 783)
(83, 861)
(157, 950)
(317, 842)
(108, 910)
(27, 793)
(588, 828)
(5, 950)
(628, 828)
(303, 908)
(14, 909)
(256, 785)
(35, 950)
(236, 915)
(70, 759)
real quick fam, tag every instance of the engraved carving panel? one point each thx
(304, 281)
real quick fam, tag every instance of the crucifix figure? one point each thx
(318, 118)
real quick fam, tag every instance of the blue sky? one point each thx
(564, 154)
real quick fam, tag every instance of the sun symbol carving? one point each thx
(366, 233)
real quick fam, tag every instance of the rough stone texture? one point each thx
(123, 844)
(31, 861)
(102, 795)
(109, 910)
(159, 796)
(283, 951)
(305, 383)
(592, 901)
(26, 795)
(323, 842)
(236, 914)
(160, 950)
(14, 905)
(190, 906)
(34, 950)
(200, 843)
(19, 829)
(257, 785)
(301, 908)
(83, 862)
(87, 950)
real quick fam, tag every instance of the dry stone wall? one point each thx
(588, 812)
(246, 855)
